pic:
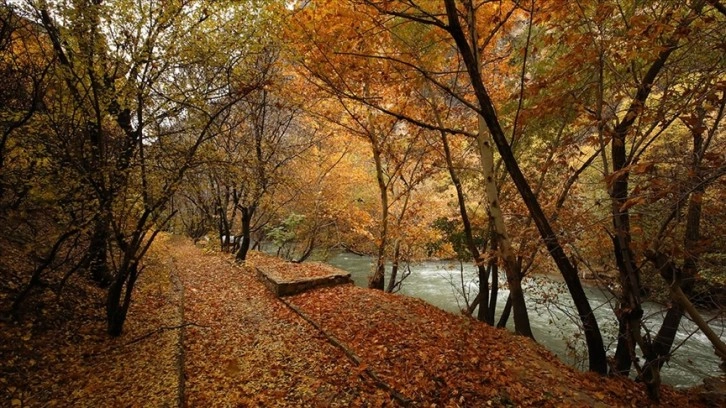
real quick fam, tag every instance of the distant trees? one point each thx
(399, 155)
(275, 136)
(246, 165)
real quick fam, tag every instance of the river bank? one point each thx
(553, 318)
(205, 332)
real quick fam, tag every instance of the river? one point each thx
(554, 320)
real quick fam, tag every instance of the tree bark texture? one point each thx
(247, 214)
(483, 297)
(377, 280)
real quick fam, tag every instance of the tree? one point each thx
(41, 220)
(633, 117)
(429, 16)
(145, 100)
(592, 332)
(276, 135)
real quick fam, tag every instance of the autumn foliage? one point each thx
(529, 137)
(206, 330)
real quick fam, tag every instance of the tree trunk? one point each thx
(623, 356)
(494, 271)
(116, 310)
(596, 348)
(468, 234)
(392, 283)
(308, 249)
(225, 223)
(504, 318)
(483, 313)
(486, 155)
(377, 280)
(486, 309)
(394, 266)
(668, 270)
(718, 344)
(98, 251)
(247, 213)
(630, 311)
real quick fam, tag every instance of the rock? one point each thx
(290, 286)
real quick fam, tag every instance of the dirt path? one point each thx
(254, 351)
(233, 344)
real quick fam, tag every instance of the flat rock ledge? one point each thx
(290, 283)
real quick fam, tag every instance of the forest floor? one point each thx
(203, 331)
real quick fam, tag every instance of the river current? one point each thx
(552, 315)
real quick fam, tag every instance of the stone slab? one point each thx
(292, 286)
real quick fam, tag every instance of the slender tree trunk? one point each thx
(486, 155)
(630, 311)
(225, 223)
(392, 283)
(247, 214)
(394, 266)
(671, 274)
(377, 280)
(468, 234)
(98, 252)
(667, 333)
(308, 249)
(716, 341)
(485, 307)
(663, 263)
(482, 313)
(504, 318)
(683, 277)
(117, 310)
(123, 284)
(494, 271)
(128, 271)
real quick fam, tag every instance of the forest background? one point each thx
(578, 138)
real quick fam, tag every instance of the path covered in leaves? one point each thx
(256, 351)
(203, 332)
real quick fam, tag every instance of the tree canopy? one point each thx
(524, 137)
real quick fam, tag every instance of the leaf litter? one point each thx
(243, 347)
(58, 352)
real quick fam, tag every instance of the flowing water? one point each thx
(552, 316)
